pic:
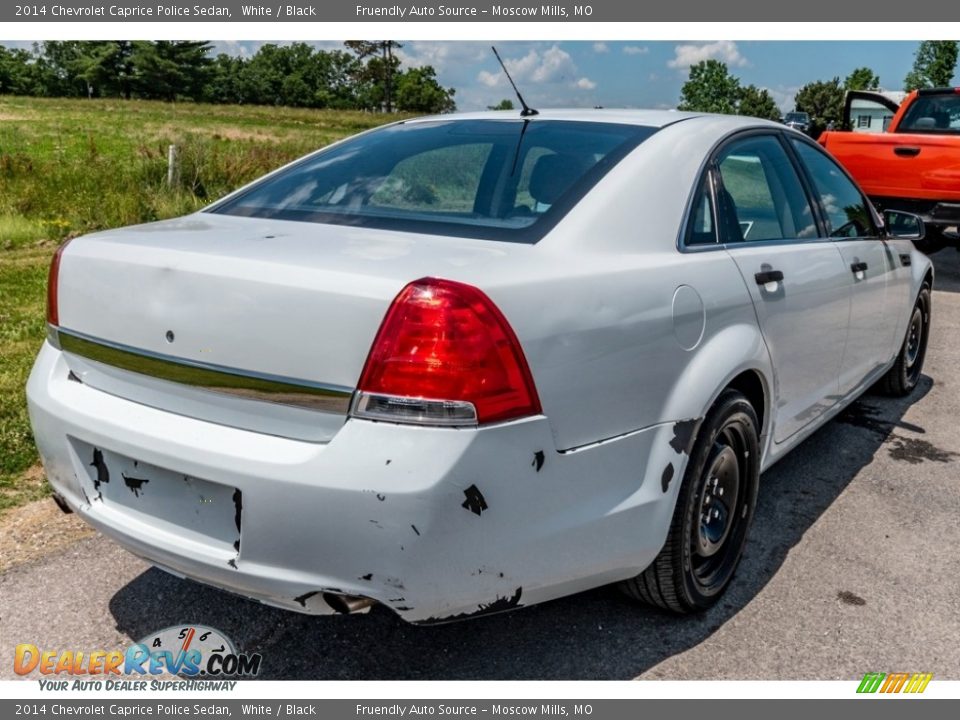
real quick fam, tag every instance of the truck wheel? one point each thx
(903, 377)
(713, 512)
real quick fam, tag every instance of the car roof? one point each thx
(647, 118)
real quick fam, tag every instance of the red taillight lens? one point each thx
(53, 283)
(447, 342)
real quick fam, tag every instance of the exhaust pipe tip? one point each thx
(348, 604)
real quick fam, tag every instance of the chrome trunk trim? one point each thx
(212, 378)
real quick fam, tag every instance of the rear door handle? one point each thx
(904, 151)
(858, 267)
(905, 260)
(768, 276)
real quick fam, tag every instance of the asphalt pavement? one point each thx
(851, 567)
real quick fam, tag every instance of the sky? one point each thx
(630, 74)
(635, 74)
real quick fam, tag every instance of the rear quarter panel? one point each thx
(621, 329)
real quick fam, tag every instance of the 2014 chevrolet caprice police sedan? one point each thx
(463, 364)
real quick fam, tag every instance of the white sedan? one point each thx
(462, 364)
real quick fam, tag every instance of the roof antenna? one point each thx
(527, 110)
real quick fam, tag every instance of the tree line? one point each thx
(364, 75)
(711, 87)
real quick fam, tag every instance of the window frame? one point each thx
(824, 218)
(933, 92)
(784, 137)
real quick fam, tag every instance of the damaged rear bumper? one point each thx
(436, 524)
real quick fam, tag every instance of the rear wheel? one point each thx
(903, 377)
(712, 515)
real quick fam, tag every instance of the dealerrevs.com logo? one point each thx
(911, 683)
(190, 651)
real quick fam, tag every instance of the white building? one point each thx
(868, 116)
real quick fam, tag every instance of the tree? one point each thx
(419, 91)
(107, 67)
(710, 88)
(505, 104)
(223, 83)
(166, 70)
(863, 78)
(377, 72)
(337, 89)
(58, 67)
(757, 102)
(17, 72)
(823, 100)
(933, 65)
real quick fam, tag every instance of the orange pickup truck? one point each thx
(913, 164)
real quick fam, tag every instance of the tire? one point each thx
(699, 558)
(903, 377)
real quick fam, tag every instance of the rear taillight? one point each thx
(53, 283)
(445, 355)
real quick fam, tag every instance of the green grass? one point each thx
(69, 167)
(23, 279)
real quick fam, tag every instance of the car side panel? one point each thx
(873, 308)
(615, 345)
(804, 318)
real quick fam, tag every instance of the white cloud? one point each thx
(546, 75)
(723, 50)
(550, 66)
(600, 47)
(635, 49)
(557, 64)
(784, 96)
(443, 56)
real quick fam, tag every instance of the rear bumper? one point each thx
(434, 523)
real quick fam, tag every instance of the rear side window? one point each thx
(937, 114)
(761, 198)
(494, 179)
(848, 214)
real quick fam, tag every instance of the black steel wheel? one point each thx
(907, 369)
(714, 509)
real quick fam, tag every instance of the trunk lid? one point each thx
(210, 315)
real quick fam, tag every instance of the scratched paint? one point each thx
(475, 501)
(684, 433)
(538, 460)
(302, 599)
(134, 483)
(666, 477)
(103, 473)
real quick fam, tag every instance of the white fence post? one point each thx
(173, 168)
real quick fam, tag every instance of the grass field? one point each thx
(68, 167)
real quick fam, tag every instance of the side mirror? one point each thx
(903, 225)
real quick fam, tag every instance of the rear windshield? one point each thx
(938, 114)
(494, 179)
